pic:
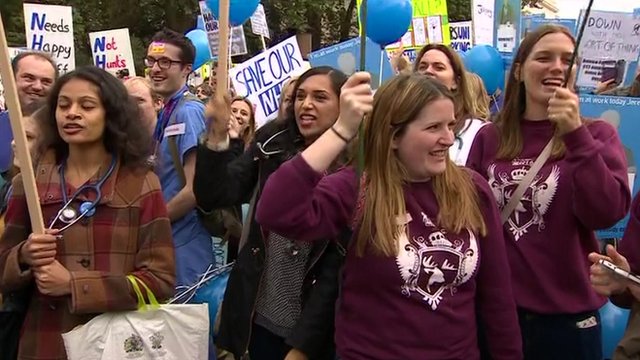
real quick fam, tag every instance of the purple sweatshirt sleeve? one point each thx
(482, 145)
(495, 300)
(630, 243)
(600, 183)
(630, 248)
(299, 203)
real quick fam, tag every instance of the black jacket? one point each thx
(224, 179)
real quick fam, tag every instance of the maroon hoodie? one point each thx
(423, 303)
(551, 231)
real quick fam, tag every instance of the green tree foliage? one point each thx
(328, 21)
(459, 10)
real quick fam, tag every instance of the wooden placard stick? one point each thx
(363, 61)
(363, 35)
(22, 150)
(223, 49)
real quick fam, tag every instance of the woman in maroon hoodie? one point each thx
(427, 259)
(582, 187)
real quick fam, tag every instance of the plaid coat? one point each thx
(130, 233)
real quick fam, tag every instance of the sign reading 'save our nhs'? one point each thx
(261, 77)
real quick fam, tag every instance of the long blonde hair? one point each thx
(479, 96)
(515, 101)
(147, 84)
(396, 104)
(249, 132)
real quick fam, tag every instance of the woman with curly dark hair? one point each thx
(103, 208)
(119, 130)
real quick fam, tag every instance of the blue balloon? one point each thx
(201, 42)
(387, 20)
(200, 23)
(239, 10)
(613, 321)
(487, 62)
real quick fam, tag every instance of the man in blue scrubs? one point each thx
(170, 59)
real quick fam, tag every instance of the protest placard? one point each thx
(461, 35)
(482, 13)
(611, 35)
(111, 50)
(49, 28)
(507, 27)
(259, 22)
(238, 43)
(345, 56)
(261, 78)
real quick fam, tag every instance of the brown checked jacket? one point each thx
(129, 233)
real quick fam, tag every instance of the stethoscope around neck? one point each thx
(68, 215)
(262, 147)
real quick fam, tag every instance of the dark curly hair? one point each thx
(337, 79)
(123, 134)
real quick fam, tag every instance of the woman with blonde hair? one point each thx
(443, 64)
(480, 98)
(148, 100)
(582, 186)
(427, 258)
(242, 124)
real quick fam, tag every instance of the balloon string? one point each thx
(363, 52)
(574, 56)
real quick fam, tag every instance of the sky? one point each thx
(571, 8)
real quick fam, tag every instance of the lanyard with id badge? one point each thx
(163, 129)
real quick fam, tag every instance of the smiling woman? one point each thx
(582, 187)
(242, 124)
(425, 229)
(442, 63)
(275, 278)
(106, 215)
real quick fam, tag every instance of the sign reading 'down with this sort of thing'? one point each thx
(611, 35)
(49, 28)
(261, 77)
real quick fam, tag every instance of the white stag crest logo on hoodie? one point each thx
(535, 202)
(431, 266)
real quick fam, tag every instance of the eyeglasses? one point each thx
(163, 63)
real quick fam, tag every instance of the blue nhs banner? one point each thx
(621, 112)
(345, 56)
